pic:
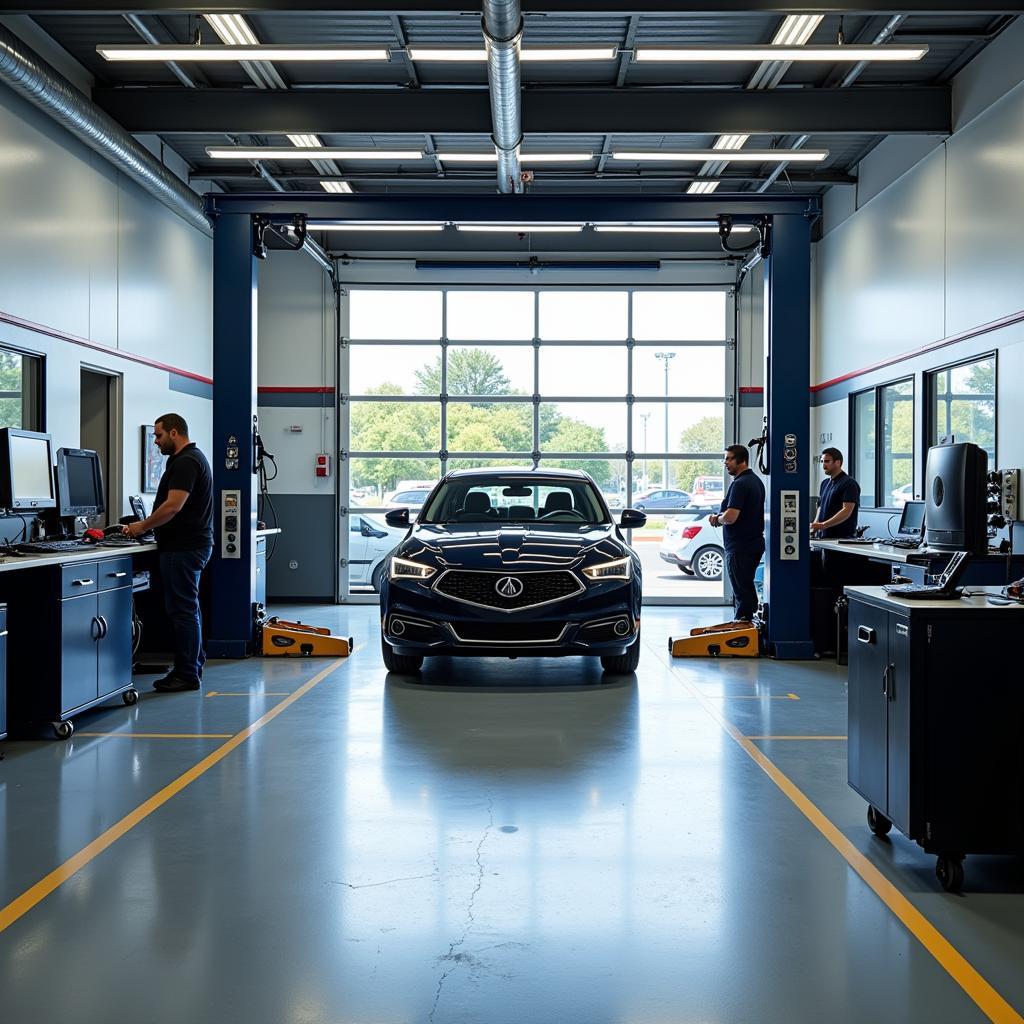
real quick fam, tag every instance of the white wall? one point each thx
(87, 253)
(935, 255)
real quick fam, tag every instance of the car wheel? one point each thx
(378, 576)
(400, 664)
(709, 563)
(623, 664)
(640, 508)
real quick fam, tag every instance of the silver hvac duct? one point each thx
(30, 77)
(503, 33)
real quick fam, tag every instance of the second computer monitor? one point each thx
(79, 482)
(26, 473)
(912, 520)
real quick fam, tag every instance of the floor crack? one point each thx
(389, 881)
(451, 955)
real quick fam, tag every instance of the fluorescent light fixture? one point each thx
(309, 153)
(797, 29)
(730, 142)
(305, 141)
(479, 56)
(524, 158)
(268, 51)
(756, 156)
(830, 54)
(661, 228)
(702, 188)
(232, 29)
(337, 187)
(376, 225)
(522, 229)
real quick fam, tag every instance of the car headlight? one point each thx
(404, 569)
(620, 569)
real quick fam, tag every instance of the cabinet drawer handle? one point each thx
(865, 635)
(82, 583)
(116, 575)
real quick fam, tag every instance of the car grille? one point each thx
(508, 632)
(480, 588)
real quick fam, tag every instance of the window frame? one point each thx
(37, 383)
(878, 467)
(931, 434)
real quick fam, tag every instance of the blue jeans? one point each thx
(180, 571)
(742, 565)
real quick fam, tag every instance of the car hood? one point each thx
(519, 545)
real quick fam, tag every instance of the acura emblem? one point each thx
(509, 586)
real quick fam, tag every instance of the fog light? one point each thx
(621, 627)
(397, 627)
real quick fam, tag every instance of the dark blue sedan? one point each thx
(513, 563)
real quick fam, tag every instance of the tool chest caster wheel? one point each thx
(950, 873)
(878, 822)
(63, 730)
(130, 697)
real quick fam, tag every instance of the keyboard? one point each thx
(49, 547)
(858, 540)
(897, 543)
(920, 591)
(114, 541)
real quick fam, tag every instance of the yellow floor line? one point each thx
(988, 1000)
(162, 735)
(795, 737)
(20, 906)
(747, 696)
(248, 693)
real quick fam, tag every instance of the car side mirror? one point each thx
(397, 517)
(632, 519)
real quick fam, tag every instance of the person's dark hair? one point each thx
(172, 421)
(739, 452)
(833, 453)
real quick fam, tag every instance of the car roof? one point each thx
(541, 474)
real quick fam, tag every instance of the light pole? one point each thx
(645, 416)
(665, 357)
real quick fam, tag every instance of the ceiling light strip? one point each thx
(791, 53)
(724, 155)
(242, 52)
(309, 153)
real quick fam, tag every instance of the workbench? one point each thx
(936, 713)
(69, 626)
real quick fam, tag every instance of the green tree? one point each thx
(471, 371)
(11, 398)
(703, 436)
(576, 436)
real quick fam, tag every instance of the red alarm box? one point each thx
(322, 465)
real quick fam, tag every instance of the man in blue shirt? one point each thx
(742, 520)
(838, 499)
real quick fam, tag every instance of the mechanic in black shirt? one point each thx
(182, 519)
(742, 520)
(838, 499)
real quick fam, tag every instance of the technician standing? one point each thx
(742, 520)
(182, 519)
(838, 499)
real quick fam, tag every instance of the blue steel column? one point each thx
(787, 346)
(233, 580)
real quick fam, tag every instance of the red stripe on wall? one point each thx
(296, 391)
(52, 332)
(974, 332)
(751, 391)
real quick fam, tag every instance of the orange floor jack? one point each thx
(727, 640)
(297, 640)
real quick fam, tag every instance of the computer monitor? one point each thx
(26, 474)
(79, 482)
(912, 520)
(955, 492)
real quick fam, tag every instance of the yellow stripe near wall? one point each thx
(988, 1000)
(20, 906)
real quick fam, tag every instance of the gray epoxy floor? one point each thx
(508, 841)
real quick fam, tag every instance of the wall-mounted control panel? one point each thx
(1009, 497)
(230, 524)
(789, 534)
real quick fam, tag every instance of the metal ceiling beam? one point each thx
(598, 111)
(274, 7)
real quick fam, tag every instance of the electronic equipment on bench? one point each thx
(944, 587)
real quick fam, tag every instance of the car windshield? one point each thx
(515, 499)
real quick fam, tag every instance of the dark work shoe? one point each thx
(175, 684)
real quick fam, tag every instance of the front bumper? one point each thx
(604, 621)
